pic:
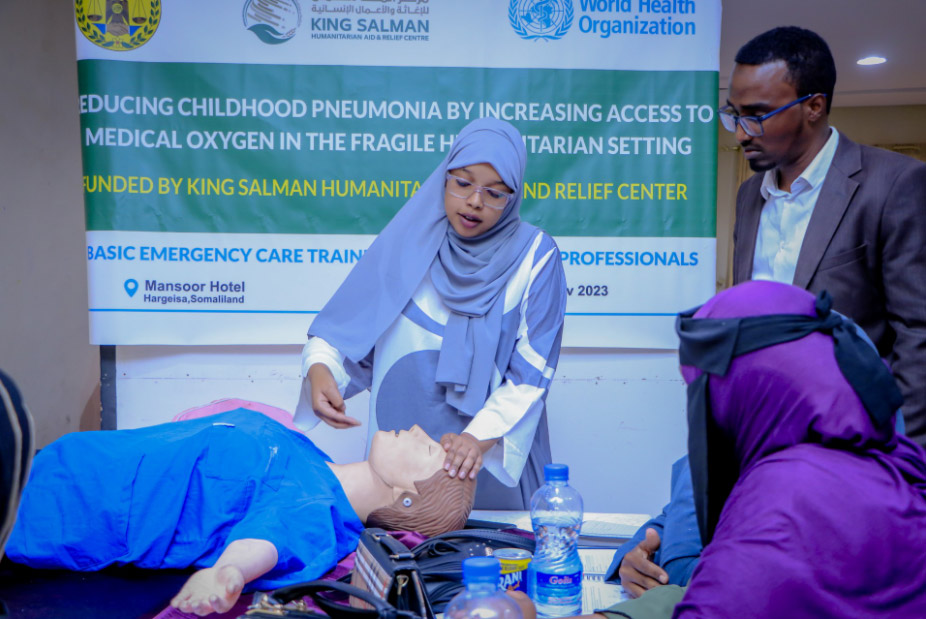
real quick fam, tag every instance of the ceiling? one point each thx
(894, 29)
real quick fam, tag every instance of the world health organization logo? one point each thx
(273, 21)
(118, 25)
(540, 19)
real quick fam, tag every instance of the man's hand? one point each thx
(464, 454)
(210, 590)
(638, 572)
(326, 399)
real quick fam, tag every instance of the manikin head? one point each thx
(425, 498)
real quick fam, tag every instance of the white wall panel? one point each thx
(616, 416)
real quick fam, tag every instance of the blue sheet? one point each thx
(176, 494)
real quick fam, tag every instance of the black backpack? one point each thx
(440, 558)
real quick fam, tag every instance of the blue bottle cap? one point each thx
(555, 472)
(481, 570)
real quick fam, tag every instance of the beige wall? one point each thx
(43, 297)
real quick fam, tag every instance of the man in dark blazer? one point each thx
(825, 212)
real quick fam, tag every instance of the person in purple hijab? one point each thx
(809, 503)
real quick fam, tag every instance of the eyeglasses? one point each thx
(462, 188)
(752, 125)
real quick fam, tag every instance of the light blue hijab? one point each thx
(469, 274)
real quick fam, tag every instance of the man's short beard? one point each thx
(759, 166)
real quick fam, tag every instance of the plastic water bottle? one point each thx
(482, 599)
(554, 577)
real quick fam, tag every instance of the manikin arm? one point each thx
(216, 589)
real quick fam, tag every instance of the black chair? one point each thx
(17, 445)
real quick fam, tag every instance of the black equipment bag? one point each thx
(440, 558)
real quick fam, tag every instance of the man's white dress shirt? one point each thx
(785, 216)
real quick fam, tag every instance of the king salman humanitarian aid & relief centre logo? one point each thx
(118, 25)
(540, 19)
(272, 21)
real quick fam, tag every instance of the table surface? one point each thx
(133, 592)
(597, 525)
(61, 594)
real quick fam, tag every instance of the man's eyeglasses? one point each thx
(462, 188)
(752, 125)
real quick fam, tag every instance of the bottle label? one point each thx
(558, 589)
(513, 581)
(556, 581)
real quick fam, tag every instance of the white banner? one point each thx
(239, 157)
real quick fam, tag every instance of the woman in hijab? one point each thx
(453, 320)
(809, 503)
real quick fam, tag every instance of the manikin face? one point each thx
(470, 217)
(756, 90)
(404, 457)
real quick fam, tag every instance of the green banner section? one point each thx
(306, 149)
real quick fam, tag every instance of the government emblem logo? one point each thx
(540, 19)
(118, 25)
(272, 21)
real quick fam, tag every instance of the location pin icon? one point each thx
(131, 287)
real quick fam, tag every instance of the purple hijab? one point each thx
(827, 516)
